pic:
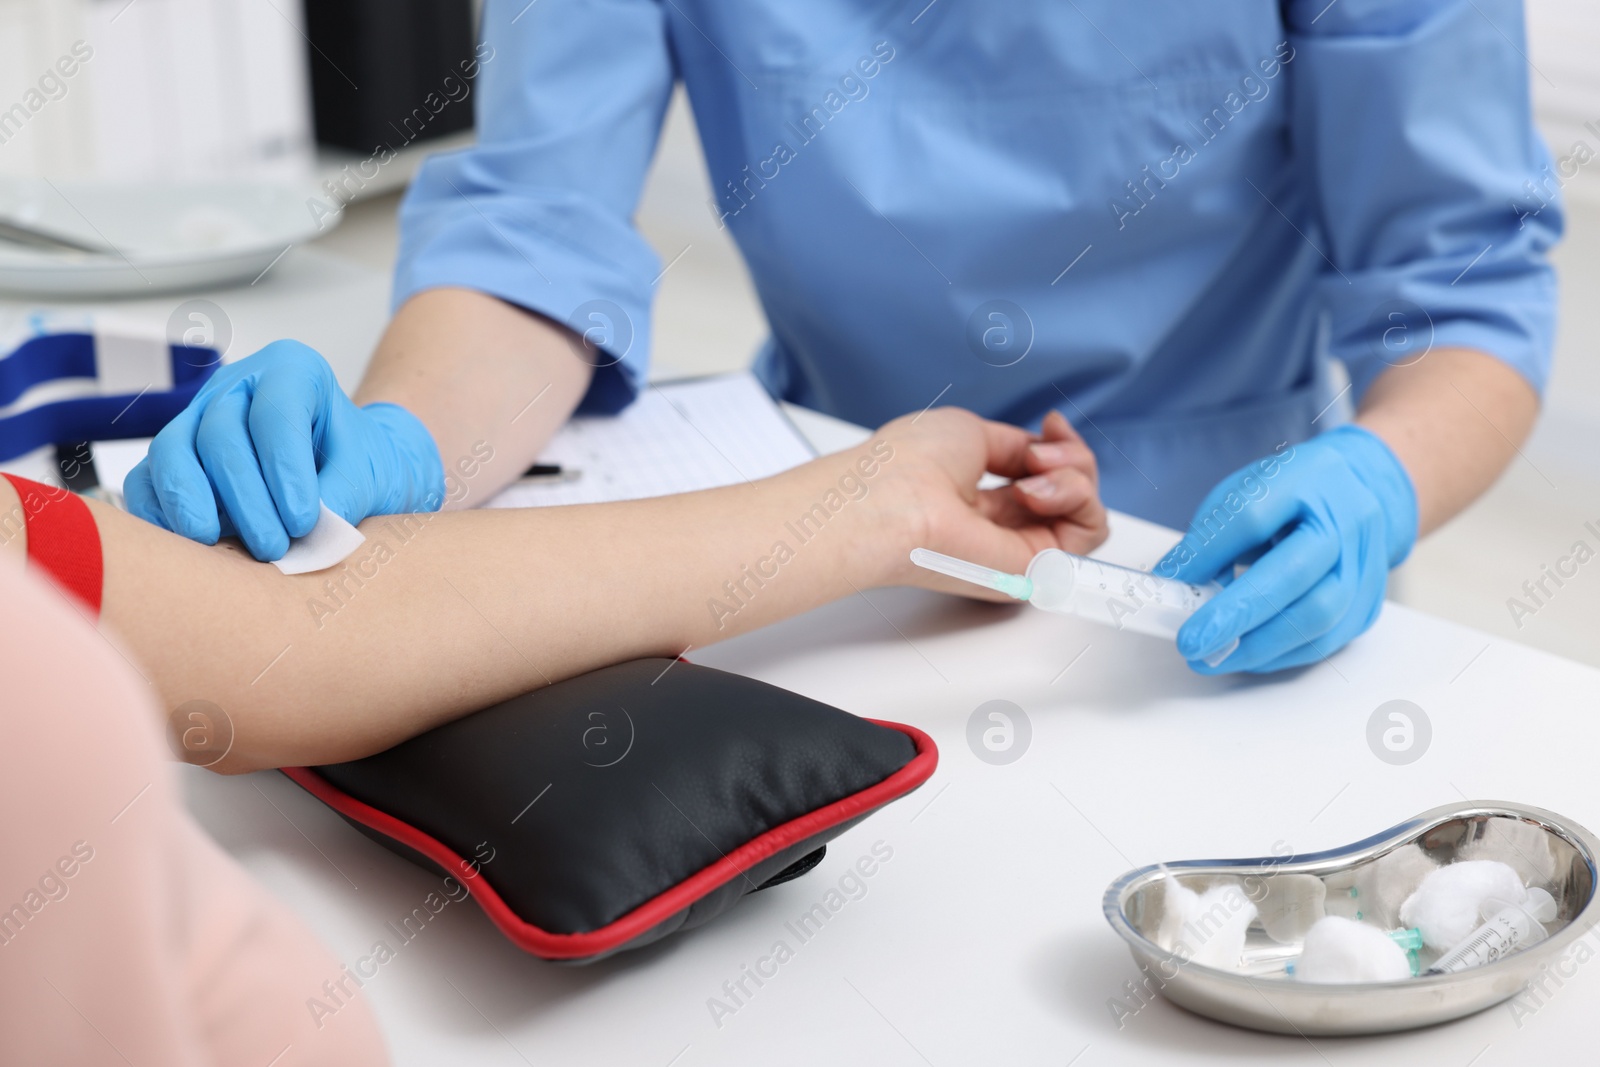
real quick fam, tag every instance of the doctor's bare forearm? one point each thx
(475, 369)
(1455, 419)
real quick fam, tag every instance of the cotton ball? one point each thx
(1343, 950)
(1290, 905)
(1179, 903)
(1220, 926)
(1206, 928)
(1447, 906)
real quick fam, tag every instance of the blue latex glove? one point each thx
(1320, 525)
(265, 439)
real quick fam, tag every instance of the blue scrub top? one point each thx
(1164, 219)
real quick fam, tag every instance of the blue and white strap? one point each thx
(95, 387)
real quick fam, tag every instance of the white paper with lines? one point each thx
(676, 438)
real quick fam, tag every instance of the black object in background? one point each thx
(378, 70)
(75, 461)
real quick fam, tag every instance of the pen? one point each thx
(550, 472)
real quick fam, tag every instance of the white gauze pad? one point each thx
(329, 543)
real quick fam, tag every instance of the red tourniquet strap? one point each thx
(63, 540)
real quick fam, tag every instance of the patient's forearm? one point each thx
(439, 615)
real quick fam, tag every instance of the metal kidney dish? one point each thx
(1366, 880)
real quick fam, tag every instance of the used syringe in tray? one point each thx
(1077, 585)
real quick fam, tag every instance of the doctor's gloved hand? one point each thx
(1319, 525)
(265, 440)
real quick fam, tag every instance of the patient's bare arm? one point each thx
(439, 615)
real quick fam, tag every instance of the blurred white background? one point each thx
(156, 101)
(164, 89)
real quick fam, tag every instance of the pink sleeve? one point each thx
(127, 935)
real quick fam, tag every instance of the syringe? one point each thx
(1076, 585)
(1507, 928)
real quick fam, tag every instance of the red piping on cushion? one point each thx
(663, 906)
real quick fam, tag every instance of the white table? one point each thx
(981, 940)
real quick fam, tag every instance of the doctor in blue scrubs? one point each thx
(1280, 262)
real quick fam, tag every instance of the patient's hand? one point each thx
(929, 493)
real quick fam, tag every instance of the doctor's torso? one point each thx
(1163, 218)
(1022, 206)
